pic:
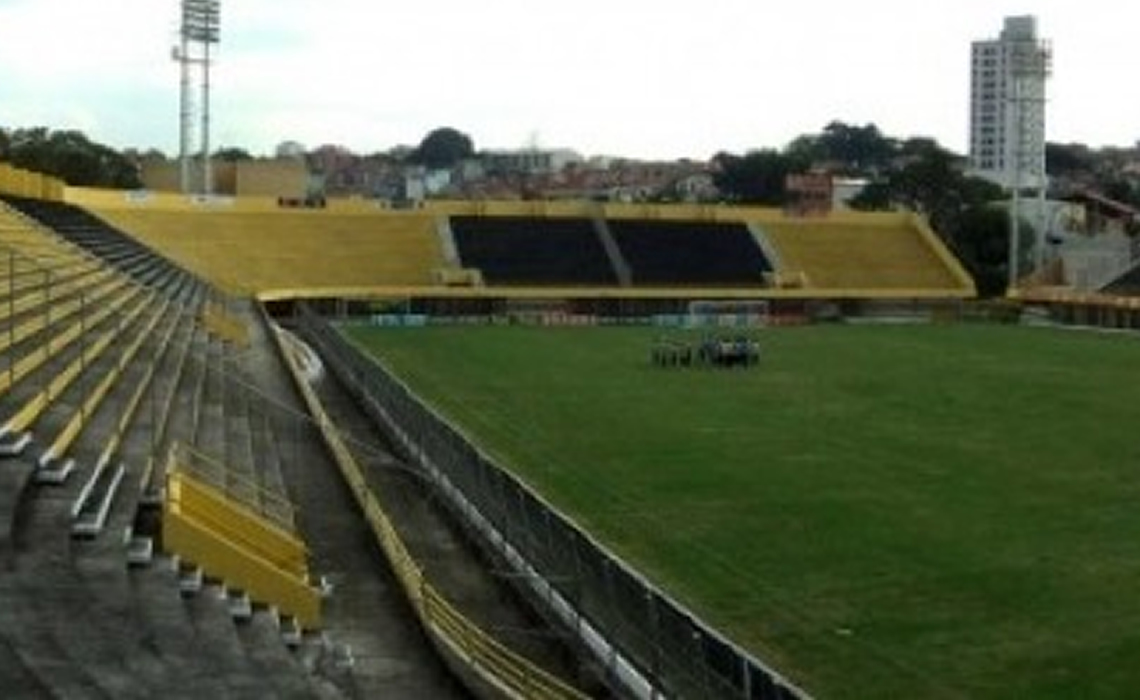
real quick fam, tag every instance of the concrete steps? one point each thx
(74, 616)
(100, 445)
(14, 673)
(82, 399)
(267, 652)
(216, 632)
(36, 651)
(191, 664)
(210, 435)
(75, 619)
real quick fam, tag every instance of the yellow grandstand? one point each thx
(353, 249)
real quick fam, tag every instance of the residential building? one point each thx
(529, 160)
(1007, 105)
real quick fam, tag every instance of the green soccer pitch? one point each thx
(919, 511)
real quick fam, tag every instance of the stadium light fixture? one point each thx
(199, 31)
(1031, 65)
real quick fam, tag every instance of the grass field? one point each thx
(877, 511)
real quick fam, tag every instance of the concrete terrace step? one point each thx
(210, 435)
(269, 445)
(139, 549)
(217, 634)
(285, 675)
(16, 673)
(169, 411)
(15, 490)
(92, 403)
(54, 385)
(38, 653)
(189, 663)
(240, 460)
(90, 510)
(80, 616)
(110, 443)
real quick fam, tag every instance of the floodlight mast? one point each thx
(200, 29)
(1032, 61)
(185, 114)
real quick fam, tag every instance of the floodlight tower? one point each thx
(198, 32)
(1030, 62)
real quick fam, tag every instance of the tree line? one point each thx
(919, 175)
(70, 156)
(915, 174)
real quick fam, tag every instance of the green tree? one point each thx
(1069, 159)
(846, 149)
(982, 244)
(232, 154)
(960, 208)
(1121, 189)
(859, 150)
(72, 157)
(756, 178)
(805, 149)
(876, 196)
(443, 148)
(931, 182)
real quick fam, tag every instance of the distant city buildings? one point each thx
(289, 178)
(334, 171)
(1007, 105)
(530, 160)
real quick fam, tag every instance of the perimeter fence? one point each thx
(647, 642)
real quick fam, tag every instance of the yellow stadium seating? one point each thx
(875, 254)
(257, 251)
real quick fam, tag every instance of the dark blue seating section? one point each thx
(525, 251)
(690, 253)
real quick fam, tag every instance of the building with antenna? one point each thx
(1007, 104)
(1007, 125)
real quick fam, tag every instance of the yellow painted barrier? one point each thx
(952, 264)
(242, 548)
(245, 528)
(25, 183)
(535, 293)
(510, 673)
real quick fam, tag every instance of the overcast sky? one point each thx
(646, 78)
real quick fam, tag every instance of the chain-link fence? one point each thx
(677, 654)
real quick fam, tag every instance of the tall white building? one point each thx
(1007, 105)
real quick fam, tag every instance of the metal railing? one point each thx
(628, 618)
(502, 668)
(205, 525)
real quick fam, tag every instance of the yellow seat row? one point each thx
(256, 251)
(853, 255)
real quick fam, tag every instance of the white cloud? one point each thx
(665, 78)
